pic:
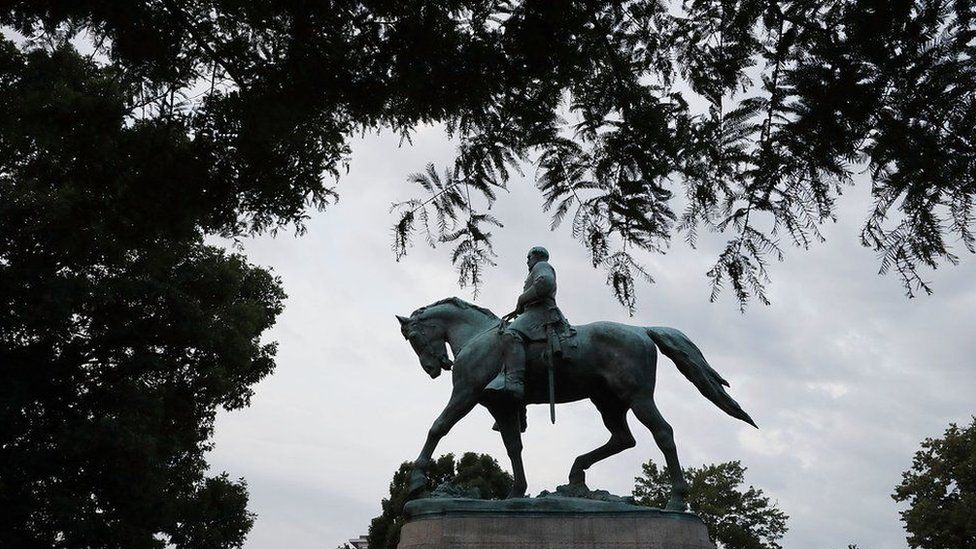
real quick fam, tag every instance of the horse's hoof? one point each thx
(577, 478)
(516, 492)
(418, 481)
(676, 504)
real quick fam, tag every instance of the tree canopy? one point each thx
(940, 490)
(472, 471)
(758, 112)
(736, 518)
(645, 119)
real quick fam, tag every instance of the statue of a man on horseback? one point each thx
(536, 318)
(613, 365)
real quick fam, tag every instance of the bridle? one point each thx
(426, 343)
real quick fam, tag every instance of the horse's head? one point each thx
(429, 341)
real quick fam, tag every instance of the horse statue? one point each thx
(613, 366)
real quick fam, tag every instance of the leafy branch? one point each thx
(446, 215)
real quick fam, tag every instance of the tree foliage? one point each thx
(940, 490)
(736, 518)
(121, 332)
(479, 471)
(757, 113)
(797, 95)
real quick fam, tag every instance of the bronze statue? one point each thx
(537, 318)
(542, 360)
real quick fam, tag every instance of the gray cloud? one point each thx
(843, 374)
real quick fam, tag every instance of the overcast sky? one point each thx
(843, 374)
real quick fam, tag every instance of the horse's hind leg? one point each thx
(462, 401)
(614, 415)
(648, 414)
(509, 424)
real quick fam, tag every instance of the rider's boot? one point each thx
(510, 382)
(515, 371)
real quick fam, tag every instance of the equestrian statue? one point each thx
(539, 358)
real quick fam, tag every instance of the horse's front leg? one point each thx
(462, 401)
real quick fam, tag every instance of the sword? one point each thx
(552, 393)
(555, 351)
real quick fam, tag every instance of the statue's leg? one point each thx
(514, 365)
(507, 418)
(510, 381)
(614, 415)
(648, 414)
(462, 401)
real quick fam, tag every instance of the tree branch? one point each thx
(200, 41)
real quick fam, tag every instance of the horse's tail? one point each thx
(686, 355)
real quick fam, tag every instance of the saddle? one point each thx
(559, 339)
(561, 346)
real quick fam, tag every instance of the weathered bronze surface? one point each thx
(611, 364)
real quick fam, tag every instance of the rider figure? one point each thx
(536, 318)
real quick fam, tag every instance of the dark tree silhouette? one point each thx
(736, 518)
(121, 333)
(479, 471)
(940, 490)
(758, 113)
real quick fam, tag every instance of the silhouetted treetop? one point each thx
(939, 491)
(737, 517)
(478, 474)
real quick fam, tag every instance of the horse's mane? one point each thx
(459, 303)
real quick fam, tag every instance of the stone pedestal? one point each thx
(547, 523)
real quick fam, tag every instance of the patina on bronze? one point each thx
(613, 365)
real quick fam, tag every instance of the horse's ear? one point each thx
(403, 321)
